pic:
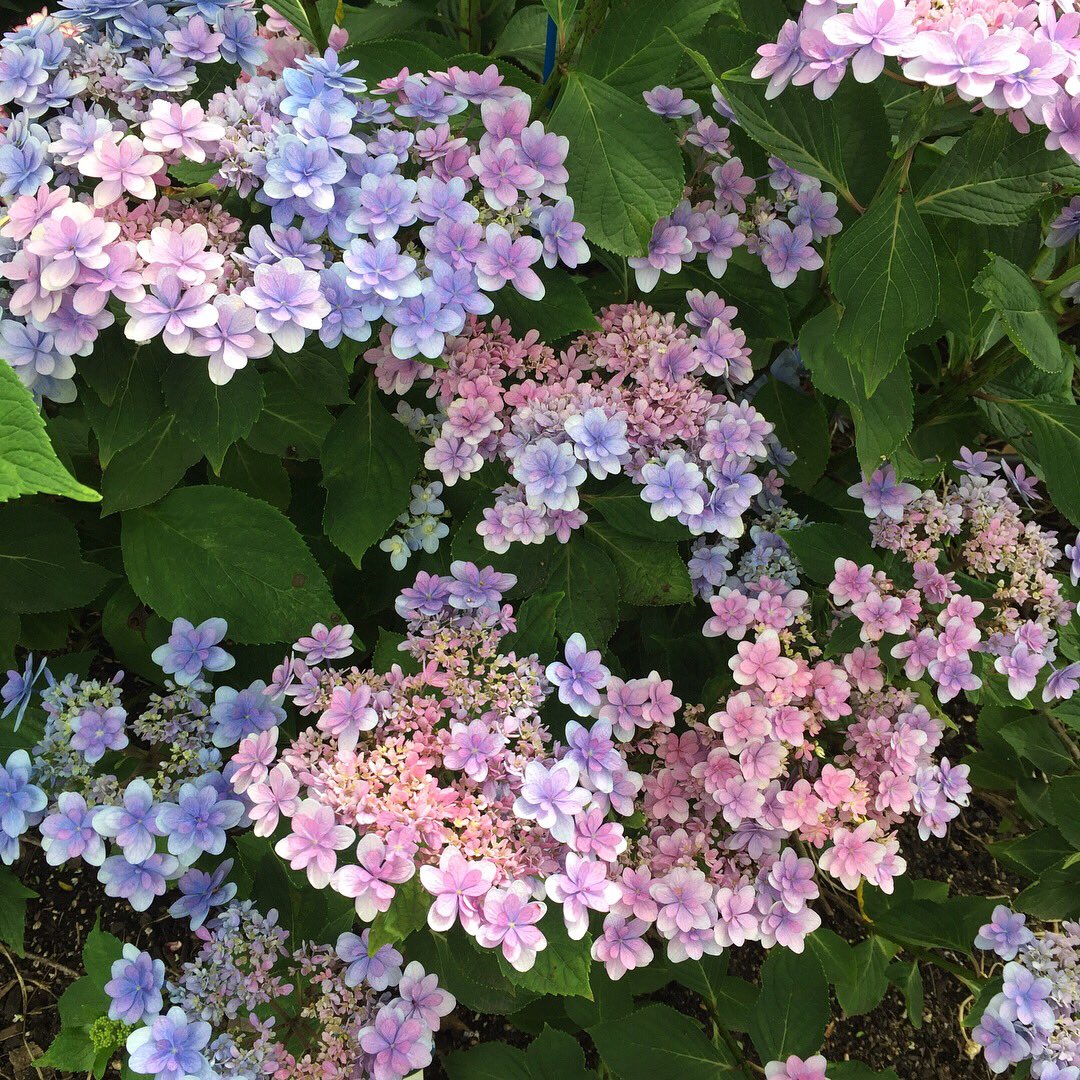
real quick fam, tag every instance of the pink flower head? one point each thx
(855, 854)
(252, 760)
(621, 947)
(70, 240)
(180, 130)
(271, 798)
(314, 842)
(509, 920)
(371, 882)
(349, 713)
(760, 664)
(582, 886)
(326, 643)
(795, 1068)
(123, 165)
(459, 888)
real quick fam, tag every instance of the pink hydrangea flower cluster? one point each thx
(373, 1014)
(409, 204)
(644, 396)
(779, 217)
(983, 589)
(450, 773)
(1018, 58)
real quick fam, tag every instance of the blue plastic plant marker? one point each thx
(549, 48)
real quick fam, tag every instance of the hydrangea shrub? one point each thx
(507, 508)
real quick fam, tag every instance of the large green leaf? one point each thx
(1025, 315)
(587, 578)
(635, 52)
(487, 1061)
(563, 311)
(857, 972)
(649, 573)
(883, 421)
(41, 564)
(992, 176)
(290, 424)
(625, 165)
(369, 461)
(654, 1042)
(149, 468)
(793, 1007)
(1057, 435)
(844, 141)
(213, 417)
(125, 399)
(406, 914)
(28, 463)
(885, 274)
(817, 547)
(13, 897)
(801, 426)
(211, 551)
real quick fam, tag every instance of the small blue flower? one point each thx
(197, 821)
(192, 649)
(170, 1048)
(137, 882)
(19, 802)
(134, 825)
(237, 713)
(135, 987)
(203, 891)
(19, 688)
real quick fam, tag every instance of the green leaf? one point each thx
(625, 165)
(1032, 738)
(992, 176)
(41, 565)
(636, 52)
(844, 141)
(650, 573)
(949, 923)
(306, 17)
(961, 249)
(884, 272)
(818, 546)
(1055, 896)
(127, 400)
(71, 1050)
(13, 897)
(1065, 799)
(369, 461)
(535, 634)
(487, 1061)
(290, 424)
(28, 462)
(83, 1002)
(801, 426)
(1026, 317)
(731, 1000)
(563, 311)
(561, 11)
(562, 968)
(213, 417)
(654, 1042)
(589, 583)
(883, 421)
(148, 469)
(471, 974)
(100, 952)
(259, 475)
(1057, 436)
(210, 551)
(857, 972)
(406, 914)
(525, 38)
(793, 1007)
(622, 507)
(385, 57)
(914, 997)
(556, 1055)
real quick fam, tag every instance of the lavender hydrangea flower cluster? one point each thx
(721, 210)
(645, 397)
(382, 206)
(375, 1014)
(1036, 1016)
(1016, 59)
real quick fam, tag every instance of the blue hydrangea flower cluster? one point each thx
(1036, 1016)
(401, 205)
